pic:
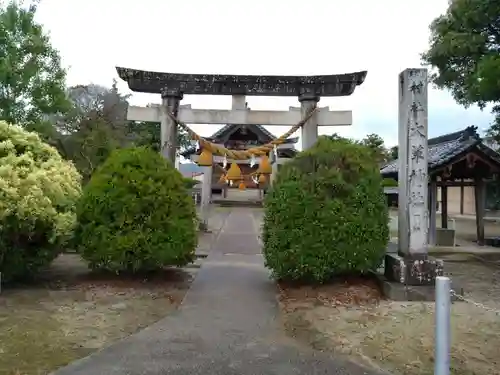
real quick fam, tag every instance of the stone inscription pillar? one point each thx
(310, 128)
(170, 103)
(413, 161)
(412, 265)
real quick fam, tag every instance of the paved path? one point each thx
(226, 325)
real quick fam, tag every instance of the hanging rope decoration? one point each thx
(263, 150)
(264, 166)
(205, 159)
(222, 179)
(234, 174)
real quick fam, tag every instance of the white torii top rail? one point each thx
(188, 115)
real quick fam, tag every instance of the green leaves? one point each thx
(149, 134)
(136, 214)
(376, 144)
(38, 192)
(32, 82)
(465, 51)
(326, 213)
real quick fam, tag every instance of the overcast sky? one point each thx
(288, 37)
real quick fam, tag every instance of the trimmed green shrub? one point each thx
(326, 214)
(38, 193)
(136, 215)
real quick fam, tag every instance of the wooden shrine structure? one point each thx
(458, 159)
(241, 137)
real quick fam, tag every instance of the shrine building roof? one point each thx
(449, 149)
(221, 135)
(226, 129)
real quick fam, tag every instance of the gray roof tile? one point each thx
(444, 148)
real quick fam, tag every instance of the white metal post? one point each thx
(443, 326)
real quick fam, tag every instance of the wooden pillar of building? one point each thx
(479, 198)
(432, 210)
(462, 193)
(444, 206)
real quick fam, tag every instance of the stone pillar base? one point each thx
(413, 269)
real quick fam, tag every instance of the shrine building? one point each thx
(241, 137)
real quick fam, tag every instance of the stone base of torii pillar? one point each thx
(410, 272)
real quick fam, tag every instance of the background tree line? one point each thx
(87, 122)
(84, 122)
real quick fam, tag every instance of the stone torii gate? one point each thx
(172, 87)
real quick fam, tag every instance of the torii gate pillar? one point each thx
(310, 129)
(170, 103)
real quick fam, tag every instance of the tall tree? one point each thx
(95, 126)
(465, 52)
(376, 144)
(32, 81)
(149, 133)
(393, 153)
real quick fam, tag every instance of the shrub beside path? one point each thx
(227, 324)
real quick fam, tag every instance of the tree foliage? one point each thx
(136, 215)
(84, 122)
(149, 134)
(38, 192)
(393, 153)
(326, 213)
(95, 126)
(465, 52)
(376, 144)
(32, 82)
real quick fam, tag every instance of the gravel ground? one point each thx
(399, 337)
(71, 313)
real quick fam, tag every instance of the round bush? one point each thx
(326, 214)
(38, 192)
(136, 215)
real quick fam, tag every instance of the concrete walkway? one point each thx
(226, 325)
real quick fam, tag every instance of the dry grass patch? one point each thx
(71, 313)
(393, 336)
